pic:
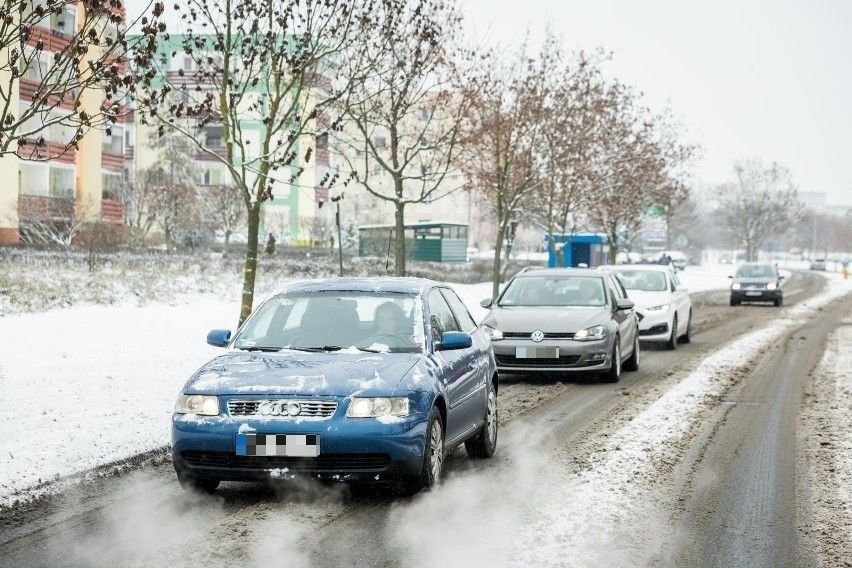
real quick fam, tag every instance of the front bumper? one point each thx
(755, 295)
(574, 356)
(655, 325)
(363, 449)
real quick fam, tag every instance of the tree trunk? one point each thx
(399, 239)
(495, 270)
(613, 248)
(250, 270)
(558, 253)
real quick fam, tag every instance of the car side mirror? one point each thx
(730, 275)
(454, 340)
(486, 303)
(781, 277)
(625, 305)
(219, 337)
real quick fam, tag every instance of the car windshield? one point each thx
(756, 271)
(644, 280)
(333, 321)
(554, 291)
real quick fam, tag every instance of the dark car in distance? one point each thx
(757, 282)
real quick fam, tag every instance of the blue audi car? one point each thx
(351, 379)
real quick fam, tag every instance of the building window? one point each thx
(113, 140)
(379, 142)
(211, 177)
(61, 182)
(322, 142)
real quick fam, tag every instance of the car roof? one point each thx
(560, 272)
(350, 284)
(654, 267)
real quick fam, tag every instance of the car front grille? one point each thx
(308, 408)
(510, 361)
(322, 464)
(526, 335)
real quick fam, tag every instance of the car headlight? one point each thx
(375, 407)
(771, 286)
(660, 308)
(494, 333)
(591, 334)
(735, 286)
(202, 404)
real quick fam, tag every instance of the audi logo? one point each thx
(279, 408)
(537, 335)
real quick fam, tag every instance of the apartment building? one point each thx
(294, 214)
(56, 183)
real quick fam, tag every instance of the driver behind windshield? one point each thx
(392, 328)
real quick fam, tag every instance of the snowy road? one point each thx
(693, 460)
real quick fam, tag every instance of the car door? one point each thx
(475, 384)
(625, 319)
(454, 365)
(682, 301)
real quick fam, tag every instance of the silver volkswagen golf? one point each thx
(563, 320)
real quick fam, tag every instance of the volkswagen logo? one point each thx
(279, 408)
(537, 335)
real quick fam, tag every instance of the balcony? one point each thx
(321, 156)
(112, 161)
(220, 151)
(28, 89)
(112, 212)
(43, 208)
(55, 151)
(51, 40)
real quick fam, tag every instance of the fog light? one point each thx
(597, 357)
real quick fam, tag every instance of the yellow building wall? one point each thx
(89, 181)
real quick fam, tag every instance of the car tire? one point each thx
(632, 363)
(734, 302)
(614, 373)
(484, 443)
(671, 344)
(779, 301)
(197, 484)
(433, 455)
(687, 337)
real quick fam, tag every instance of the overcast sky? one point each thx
(764, 78)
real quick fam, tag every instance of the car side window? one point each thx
(459, 310)
(441, 317)
(614, 292)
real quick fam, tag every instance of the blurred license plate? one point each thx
(754, 293)
(292, 445)
(536, 352)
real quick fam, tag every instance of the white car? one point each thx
(662, 302)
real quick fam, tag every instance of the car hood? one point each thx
(302, 374)
(546, 319)
(644, 299)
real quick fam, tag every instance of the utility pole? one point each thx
(336, 201)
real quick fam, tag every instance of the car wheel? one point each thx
(484, 443)
(197, 484)
(671, 344)
(632, 363)
(614, 373)
(687, 337)
(734, 302)
(433, 455)
(779, 301)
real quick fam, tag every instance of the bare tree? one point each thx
(507, 131)
(224, 206)
(405, 120)
(174, 175)
(139, 199)
(267, 61)
(59, 57)
(764, 204)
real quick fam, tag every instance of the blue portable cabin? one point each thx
(588, 249)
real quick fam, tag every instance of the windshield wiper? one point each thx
(255, 348)
(324, 348)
